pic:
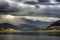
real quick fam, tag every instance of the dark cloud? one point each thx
(48, 12)
(3, 5)
(30, 2)
(6, 7)
(40, 1)
(11, 9)
(58, 0)
(17, 0)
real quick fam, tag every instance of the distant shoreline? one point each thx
(30, 31)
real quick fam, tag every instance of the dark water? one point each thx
(30, 36)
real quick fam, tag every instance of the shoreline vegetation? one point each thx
(30, 31)
(12, 30)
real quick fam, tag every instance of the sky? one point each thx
(16, 10)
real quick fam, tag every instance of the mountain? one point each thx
(32, 25)
(27, 27)
(55, 25)
(37, 23)
(7, 25)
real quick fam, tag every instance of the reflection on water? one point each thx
(30, 36)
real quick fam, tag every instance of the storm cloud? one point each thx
(6, 7)
(43, 10)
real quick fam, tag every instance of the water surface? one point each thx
(30, 36)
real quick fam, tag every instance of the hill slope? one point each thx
(7, 25)
(55, 25)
